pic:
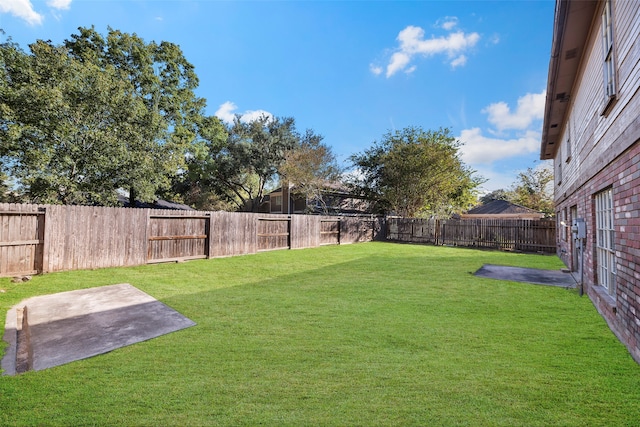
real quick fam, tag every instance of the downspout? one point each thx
(581, 267)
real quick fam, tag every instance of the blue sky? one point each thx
(349, 70)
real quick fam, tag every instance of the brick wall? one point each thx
(622, 313)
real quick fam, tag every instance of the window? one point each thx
(568, 142)
(559, 172)
(276, 203)
(607, 44)
(605, 241)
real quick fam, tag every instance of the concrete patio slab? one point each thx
(527, 275)
(75, 325)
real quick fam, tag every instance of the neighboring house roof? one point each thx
(571, 30)
(329, 188)
(502, 209)
(336, 196)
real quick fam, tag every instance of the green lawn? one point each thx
(366, 334)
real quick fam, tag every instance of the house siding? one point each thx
(605, 153)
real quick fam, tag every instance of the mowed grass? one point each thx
(366, 334)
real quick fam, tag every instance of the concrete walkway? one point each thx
(69, 326)
(527, 275)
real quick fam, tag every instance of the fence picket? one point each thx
(83, 237)
(503, 234)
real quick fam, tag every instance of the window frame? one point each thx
(559, 172)
(568, 143)
(605, 241)
(276, 207)
(608, 56)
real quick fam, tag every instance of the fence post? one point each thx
(207, 232)
(145, 246)
(44, 256)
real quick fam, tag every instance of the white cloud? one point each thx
(399, 60)
(480, 149)
(59, 4)
(251, 115)
(459, 61)
(375, 69)
(412, 43)
(22, 9)
(448, 23)
(226, 113)
(530, 108)
(511, 139)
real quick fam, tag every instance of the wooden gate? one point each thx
(273, 233)
(21, 243)
(330, 232)
(177, 237)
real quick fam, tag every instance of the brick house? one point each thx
(592, 132)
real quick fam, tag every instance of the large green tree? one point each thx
(534, 189)
(198, 185)
(311, 168)
(413, 172)
(6, 193)
(83, 119)
(499, 194)
(240, 167)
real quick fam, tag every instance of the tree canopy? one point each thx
(534, 189)
(96, 114)
(83, 119)
(239, 167)
(310, 167)
(413, 172)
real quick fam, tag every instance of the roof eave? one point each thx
(572, 25)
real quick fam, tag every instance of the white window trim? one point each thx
(605, 241)
(568, 144)
(559, 172)
(608, 56)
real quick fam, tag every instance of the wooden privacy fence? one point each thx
(274, 233)
(47, 238)
(176, 237)
(503, 234)
(21, 242)
(329, 231)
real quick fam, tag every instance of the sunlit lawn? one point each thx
(366, 334)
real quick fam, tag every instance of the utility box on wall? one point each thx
(579, 229)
